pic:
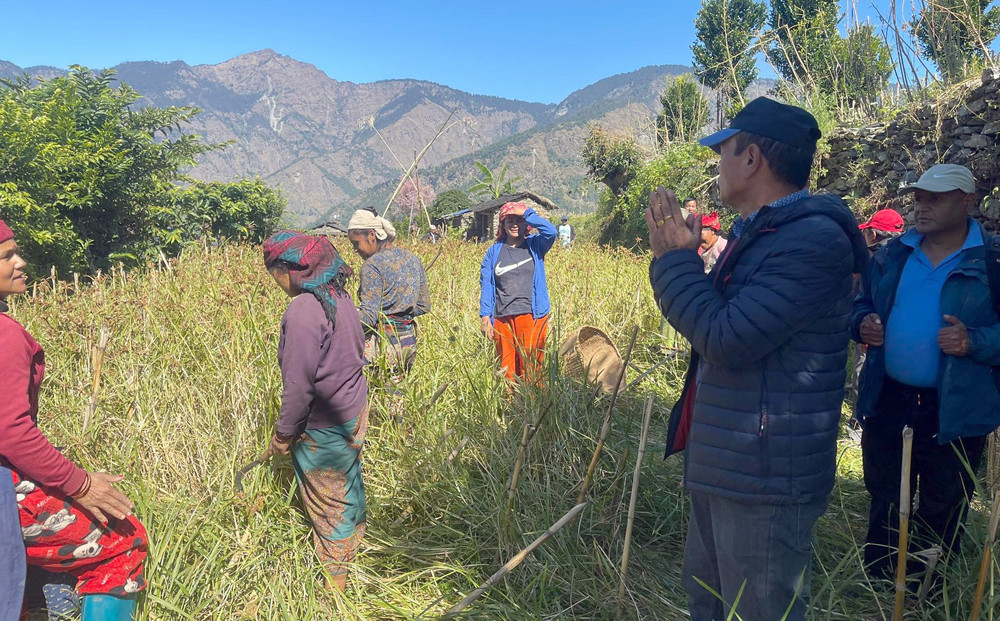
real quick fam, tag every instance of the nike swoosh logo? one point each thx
(507, 268)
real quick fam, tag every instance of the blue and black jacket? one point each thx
(769, 329)
(969, 402)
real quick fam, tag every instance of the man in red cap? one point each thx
(712, 244)
(884, 225)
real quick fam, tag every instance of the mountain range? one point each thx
(333, 146)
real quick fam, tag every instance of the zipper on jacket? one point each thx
(762, 429)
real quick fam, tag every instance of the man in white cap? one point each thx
(933, 335)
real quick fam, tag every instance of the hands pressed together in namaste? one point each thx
(667, 228)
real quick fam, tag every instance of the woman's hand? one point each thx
(487, 328)
(280, 445)
(102, 500)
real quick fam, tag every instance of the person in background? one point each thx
(414, 230)
(690, 206)
(712, 244)
(884, 226)
(760, 410)
(72, 521)
(432, 236)
(514, 296)
(566, 233)
(392, 294)
(933, 336)
(324, 399)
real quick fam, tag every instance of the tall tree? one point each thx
(611, 159)
(955, 33)
(87, 180)
(802, 35)
(861, 69)
(723, 53)
(684, 111)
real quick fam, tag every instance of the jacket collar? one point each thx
(973, 250)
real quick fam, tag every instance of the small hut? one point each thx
(480, 222)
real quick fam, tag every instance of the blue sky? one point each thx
(536, 51)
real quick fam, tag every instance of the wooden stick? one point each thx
(984, 565)
(444, 127)
(931, 555)
(97, 358)
(607, 421)
(904, 524)
(437, 393)
(646, 415)
(526, 437)
(517, 559)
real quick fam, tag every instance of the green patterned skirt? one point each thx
(327, 466)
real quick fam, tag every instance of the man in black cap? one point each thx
(769, 327)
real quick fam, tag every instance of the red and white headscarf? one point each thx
(504, 212)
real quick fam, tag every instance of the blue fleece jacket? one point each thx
(537, 245)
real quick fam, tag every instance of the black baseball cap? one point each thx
(765, 117)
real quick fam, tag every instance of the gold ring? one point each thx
(663, 221)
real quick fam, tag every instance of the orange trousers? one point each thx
(520, 343)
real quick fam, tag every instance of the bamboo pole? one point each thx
(986, 562)
(517, 559)
(646, 414)
(607, 420)
(904, 524)
(526, 436)
(97, 360)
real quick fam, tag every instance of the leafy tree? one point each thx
(684, 167)
(861, 69)
(802, 38)
(610, 159)
(450, 201)
(723, 54)
(492, 184)
(247, 210)
(684, 111)
(956, 33)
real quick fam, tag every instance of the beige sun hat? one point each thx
(944, 178)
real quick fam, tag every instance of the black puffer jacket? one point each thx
(770, 331)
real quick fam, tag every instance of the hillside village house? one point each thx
(480, 221)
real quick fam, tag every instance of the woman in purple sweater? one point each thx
(324, 403)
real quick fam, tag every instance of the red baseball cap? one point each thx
(886, 220)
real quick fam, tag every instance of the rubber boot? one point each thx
(107, 608)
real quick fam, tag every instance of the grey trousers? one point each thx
(765, 550)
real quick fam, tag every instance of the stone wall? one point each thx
(867, 165)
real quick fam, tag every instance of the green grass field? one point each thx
(190, 390)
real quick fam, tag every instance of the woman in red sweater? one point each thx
(72, 521)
